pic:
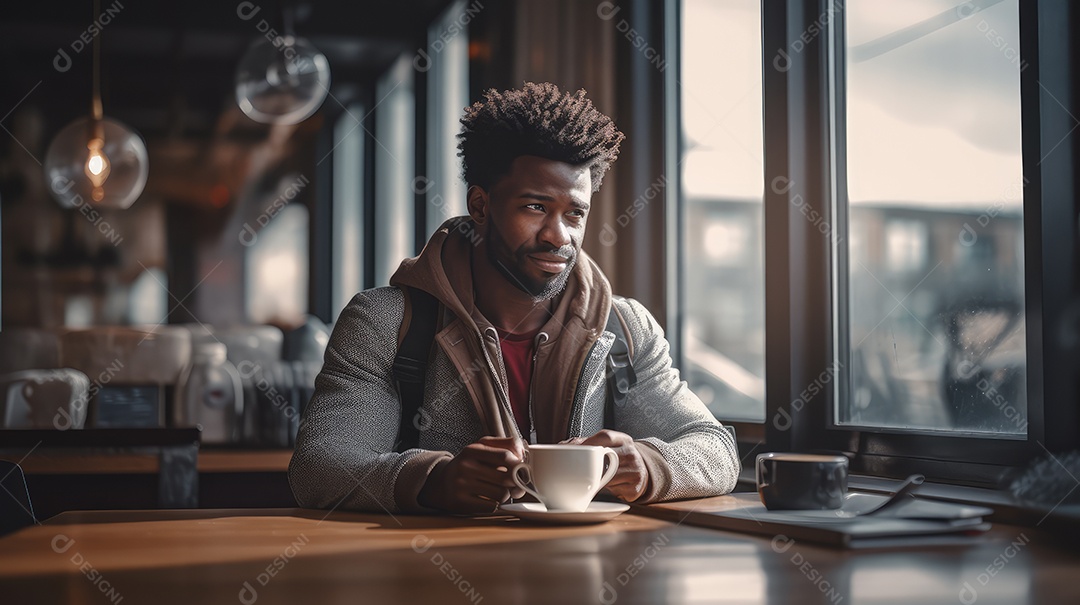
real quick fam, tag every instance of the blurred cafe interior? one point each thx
(856, 222)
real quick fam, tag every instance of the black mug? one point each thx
(791, 481)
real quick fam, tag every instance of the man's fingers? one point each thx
(470, 487)
(498, 479)
(492, 456)
(624, 492)
(491, 492)
(475, 505)
(626, 479)
(631, 483)
(477, 479)
(482, 470)
(600, 440)
(511, 444)
(608, 438)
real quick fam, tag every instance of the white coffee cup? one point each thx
(566, 477)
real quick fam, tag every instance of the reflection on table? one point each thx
(296, 555)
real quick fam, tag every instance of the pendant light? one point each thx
(284, 80)
(95, 160)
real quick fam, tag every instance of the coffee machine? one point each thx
(133, 371)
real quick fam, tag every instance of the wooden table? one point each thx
(209, 461)
(304, 556)
(102, 477)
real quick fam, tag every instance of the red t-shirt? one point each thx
(517, 350)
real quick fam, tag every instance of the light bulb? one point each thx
(97, 163)
(97, 168)
(282, 82)
(102, 163)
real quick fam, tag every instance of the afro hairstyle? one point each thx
(539, 120)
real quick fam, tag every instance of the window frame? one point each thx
(804, 143)
(750, 434)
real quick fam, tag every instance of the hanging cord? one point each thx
(95, 108)
(287, 17)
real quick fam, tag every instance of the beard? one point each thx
(511, 264)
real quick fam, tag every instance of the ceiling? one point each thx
(168, 67)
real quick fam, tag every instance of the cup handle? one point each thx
(762, 473)
(613, 465)
(523, 485)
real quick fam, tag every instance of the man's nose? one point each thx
(555, 233)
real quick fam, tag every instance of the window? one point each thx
(935, 323)
(904, 276)
(920, 233)
(447, 67)
(347, 237)
(395, 139)
(148, 301)
(723, 287)
(276, 267)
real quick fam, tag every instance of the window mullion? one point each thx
(796, 200)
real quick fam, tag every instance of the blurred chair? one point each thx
(29, 349)
(16, 512)
(985, 366)
(43, 399)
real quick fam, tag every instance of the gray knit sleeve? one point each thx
(344, 455)
(688, 453)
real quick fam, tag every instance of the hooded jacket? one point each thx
(345, 452)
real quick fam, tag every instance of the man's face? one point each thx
(536, 223)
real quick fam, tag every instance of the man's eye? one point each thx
(578, 213)
(535, 206)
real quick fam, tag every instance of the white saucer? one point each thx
(598, 512)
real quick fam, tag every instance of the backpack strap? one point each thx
(418, 327)
(410, 365)
(620, 365)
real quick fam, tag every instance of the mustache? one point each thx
(567, 252)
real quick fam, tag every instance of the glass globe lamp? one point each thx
(102, 163)
(282, 82)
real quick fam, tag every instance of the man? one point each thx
(520, 351)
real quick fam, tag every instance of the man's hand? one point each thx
(632, 478)
(477, 480)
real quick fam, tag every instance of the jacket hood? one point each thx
(444, 270)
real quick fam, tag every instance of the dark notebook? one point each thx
(910, 523)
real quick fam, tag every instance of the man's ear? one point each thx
(478, 200)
